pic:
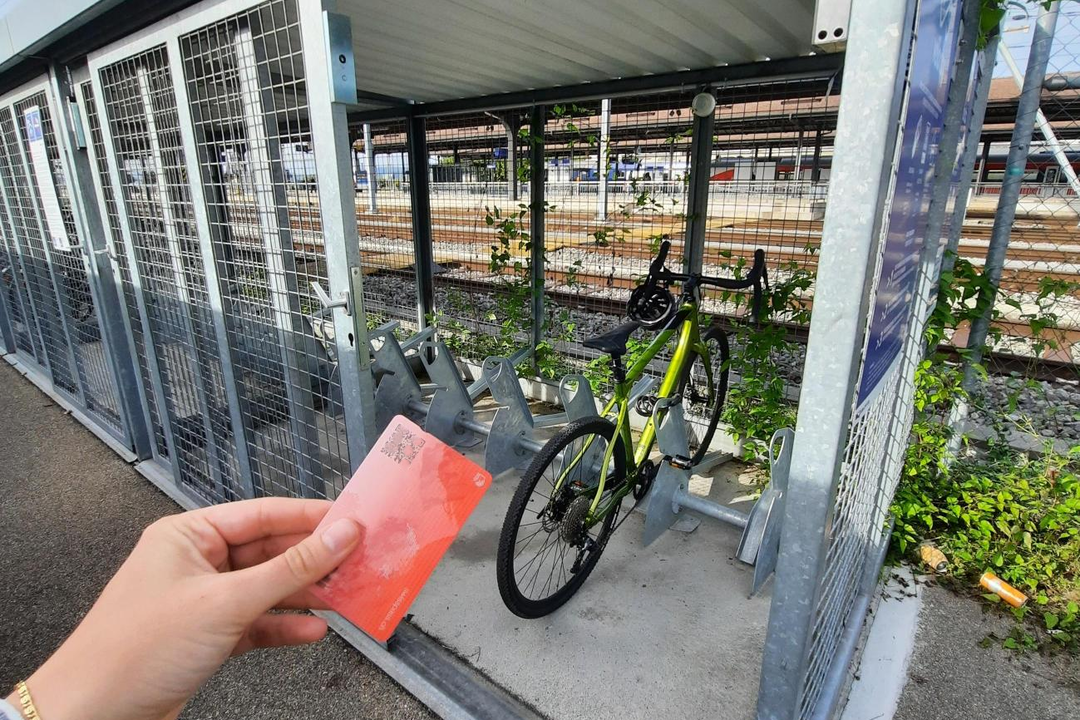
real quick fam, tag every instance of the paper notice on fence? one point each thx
(39, 164)
(412, 495)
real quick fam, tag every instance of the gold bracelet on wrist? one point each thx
(29, 711)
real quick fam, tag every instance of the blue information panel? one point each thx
(937, 32)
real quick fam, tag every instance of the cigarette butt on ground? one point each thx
(932, 557)
(1003, 590)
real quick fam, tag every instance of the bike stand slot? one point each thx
(670, 492)
(760, 542)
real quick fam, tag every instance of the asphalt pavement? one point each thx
(70, 511)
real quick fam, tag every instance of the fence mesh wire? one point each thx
(115, 240)
(1037, 325)
(384, 223)
(20, 309)
(140, 106)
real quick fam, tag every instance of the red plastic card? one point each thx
(412, 494)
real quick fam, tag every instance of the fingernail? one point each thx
(340, 535)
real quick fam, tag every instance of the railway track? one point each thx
(998, 363)
(1040, 248)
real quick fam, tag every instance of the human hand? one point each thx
(197, 589)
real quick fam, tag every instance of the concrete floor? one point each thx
(70, 512)
(659, 631)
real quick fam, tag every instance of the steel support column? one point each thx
(370, 169)
(867, 128)
(337, 209)
(984, 162)
(815, 168)
(537, 214)
(420, 198)
(697, 204)
(510, 124)
(603, 160)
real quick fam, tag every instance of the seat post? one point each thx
(617, 370)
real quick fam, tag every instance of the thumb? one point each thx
(298, 568)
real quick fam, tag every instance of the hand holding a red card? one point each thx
(197, 589)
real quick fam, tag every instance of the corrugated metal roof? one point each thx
(428, 50)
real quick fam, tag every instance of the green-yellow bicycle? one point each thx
(566, 507)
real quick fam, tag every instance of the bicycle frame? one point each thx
(689, 339)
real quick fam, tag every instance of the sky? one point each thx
(1065, 53)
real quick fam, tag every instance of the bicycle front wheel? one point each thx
(546, 548)
(704, 391)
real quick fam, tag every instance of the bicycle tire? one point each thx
(716, 395)
(513, 597)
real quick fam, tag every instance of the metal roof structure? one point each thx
(416, 51)
(424, 52)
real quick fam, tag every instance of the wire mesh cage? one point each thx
(69, 272)
(118, 254)
(139, 103)
(29, 236)
(1035, 331)
(19, 304)
(246, 84)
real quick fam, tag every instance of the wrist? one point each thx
(62, 695)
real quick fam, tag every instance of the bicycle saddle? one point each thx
(613, 342)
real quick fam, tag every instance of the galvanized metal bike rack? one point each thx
(670, 492)
(448, 411)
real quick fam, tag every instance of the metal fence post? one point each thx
(420, 198)
(867, 127)
(697, 202)
(103, 286)
(971, 151)
(1019, 146)
(510, 124)
(537, 219)
(337, 210)
(370, 168)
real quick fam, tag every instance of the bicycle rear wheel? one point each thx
(704, 392)
(546, 551)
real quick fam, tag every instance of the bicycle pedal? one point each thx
(645, 405)
(682, 463)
